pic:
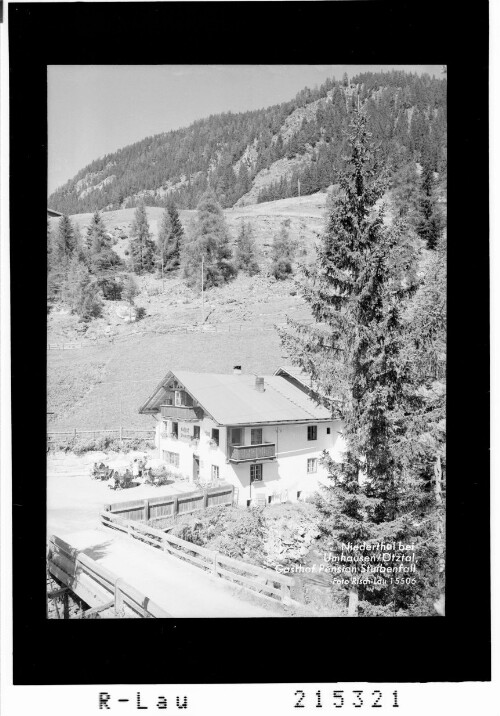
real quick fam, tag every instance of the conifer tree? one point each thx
(64, 241)
(405, 192)
(82, 292)
(246, 250)
(209, 239)
(170, 237)
(96, 234)
(429, 224)
(50, 246)
(357, 353)
(142, 248)
(282, 254)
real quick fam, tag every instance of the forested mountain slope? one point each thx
(274, 153)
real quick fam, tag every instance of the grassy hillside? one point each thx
(305, 215)
(102, 383)
(99, 387)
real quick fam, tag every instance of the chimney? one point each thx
(237, 369)
(259, 384)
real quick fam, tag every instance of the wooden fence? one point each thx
(100, 588)
(267, 583)
(119, 433)
(164, 510)
(202, 328)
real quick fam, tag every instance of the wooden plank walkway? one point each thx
(173, 586)
(103, 590)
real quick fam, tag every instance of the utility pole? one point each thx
(202, 294)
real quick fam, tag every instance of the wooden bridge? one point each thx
(129, 569)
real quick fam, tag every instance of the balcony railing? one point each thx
(181, 412)
(240, 453)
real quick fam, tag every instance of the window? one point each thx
(312, 432)
(171, 458)
(328, 431)
(175, 429)
(178, 397)
(312, 464)
(256, 436)
(215, 472)
(236, 436)
(255, 473)
(196, 432)
(215, 435)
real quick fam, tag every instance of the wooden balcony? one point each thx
(242, 453)
(181, 412)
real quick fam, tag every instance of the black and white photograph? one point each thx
(247, 409)
(246, 333)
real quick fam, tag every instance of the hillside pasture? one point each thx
(305, 215)
(135, 365)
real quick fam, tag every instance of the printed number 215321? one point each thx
(340, 699)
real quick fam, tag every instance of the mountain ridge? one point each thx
(267, 154)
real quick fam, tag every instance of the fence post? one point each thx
(176, 507)
(285, 592)
(74, 433)
(119, 608)
(214, 568)
(146, 510)
(205, 499)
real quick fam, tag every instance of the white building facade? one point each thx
(264, 435)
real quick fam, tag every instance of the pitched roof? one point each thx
(296, 373)
(233, 400)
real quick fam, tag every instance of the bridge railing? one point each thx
(98, 586)
(265, 582)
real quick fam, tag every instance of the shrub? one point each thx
(111, 290)
(106, 443)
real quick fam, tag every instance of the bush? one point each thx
(106, 443)
(111, 289)
(140, 312)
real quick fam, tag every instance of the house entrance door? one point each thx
(196, 467)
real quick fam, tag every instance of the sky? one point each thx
(94, 110)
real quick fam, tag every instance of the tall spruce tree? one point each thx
(142, 248)
(64, 241)
(246, 250)
(96, 234)
(209, 239)
(429, 223)
(357, 352)
(170, 238)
